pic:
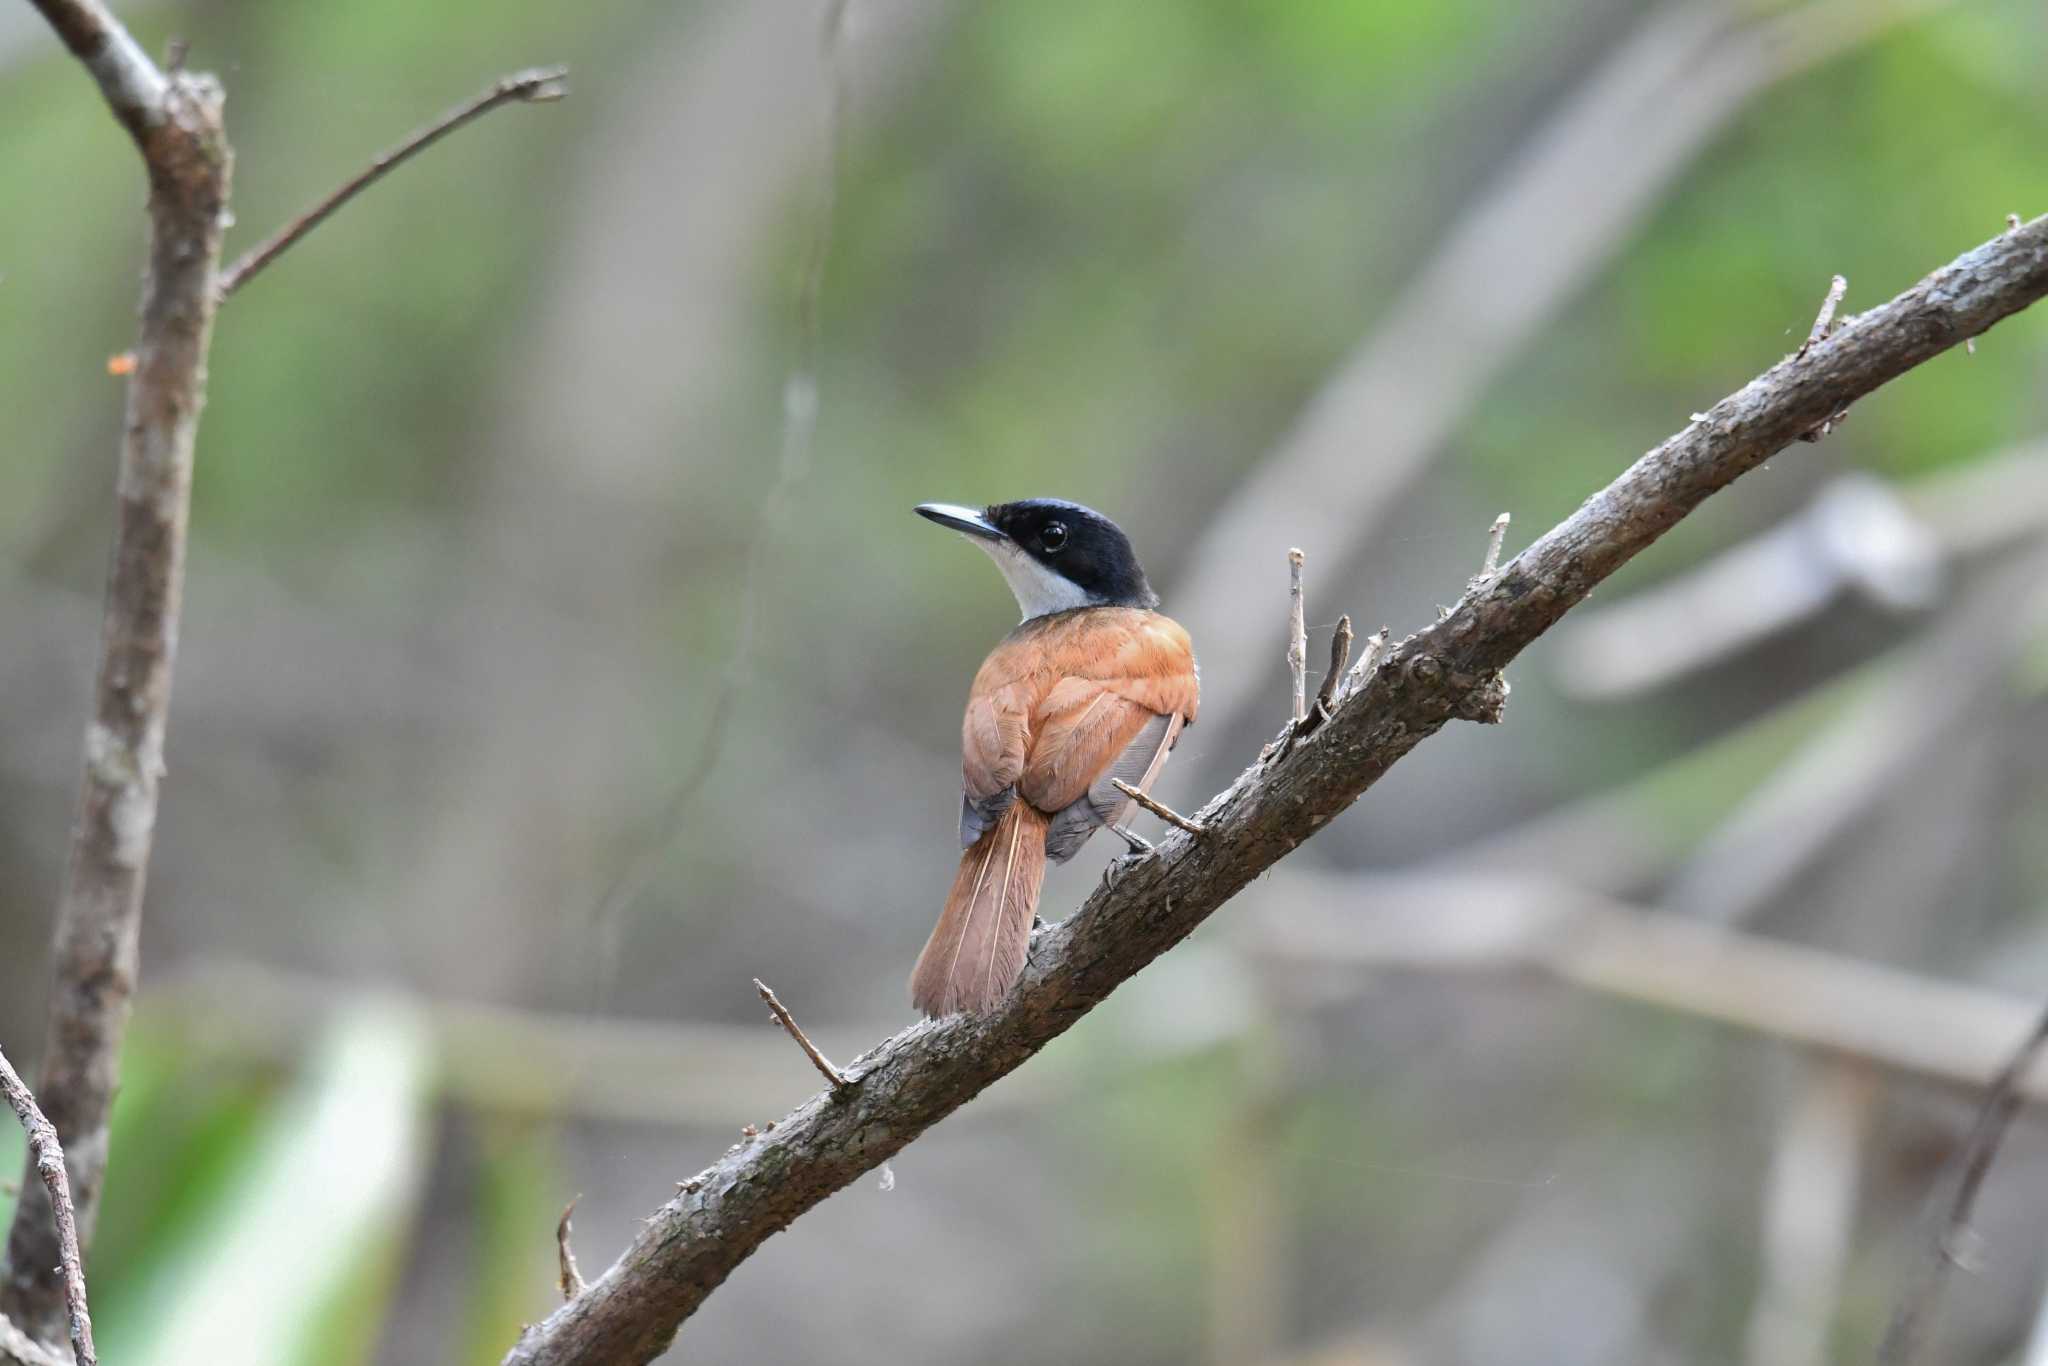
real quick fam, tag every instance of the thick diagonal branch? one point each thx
(1448, 670)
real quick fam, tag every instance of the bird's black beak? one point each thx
(968, 521)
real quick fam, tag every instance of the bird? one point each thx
(1092, 686)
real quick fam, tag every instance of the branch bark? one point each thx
(1448, 670)
(175, 119)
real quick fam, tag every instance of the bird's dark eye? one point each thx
(1053, 536)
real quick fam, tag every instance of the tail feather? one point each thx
(977, 952)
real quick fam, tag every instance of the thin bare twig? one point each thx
(799, 434)
(46, 1155)
(1368, 660)
(1159, 808)
(1297, 636)
(834, 1078)
(1824, 323)
(570, 1275)
(1448, 670)
(1333, 677)
(1494, 539)
(1823, 328)
(537, 85)
(1903, 1340)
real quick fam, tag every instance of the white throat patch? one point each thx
(1038, 590)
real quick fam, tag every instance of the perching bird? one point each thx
(1094, 685)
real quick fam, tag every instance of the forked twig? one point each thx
(538, 85)
(837, 1079)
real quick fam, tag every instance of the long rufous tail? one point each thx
(977, 952)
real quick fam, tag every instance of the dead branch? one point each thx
(1333, 677)
(834, 1078)
(46, 1156)
(1297, 637)
(175, 119)
(1824, 322)
(1159, 808)
(1494, 539)
(1448, 670)
(538, 85)
(1368, 660)
(1902, 1341)
(569, 1274)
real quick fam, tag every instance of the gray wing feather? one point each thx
(1102, 804)
(977, 817)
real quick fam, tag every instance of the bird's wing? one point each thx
(1153, 664)
(1117, 678)
(1102, 804)
(1080, 731)
(993, 738)
(1056, 710)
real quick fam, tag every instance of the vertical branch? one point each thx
(175, 119)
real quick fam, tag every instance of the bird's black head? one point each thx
(1056, 555)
